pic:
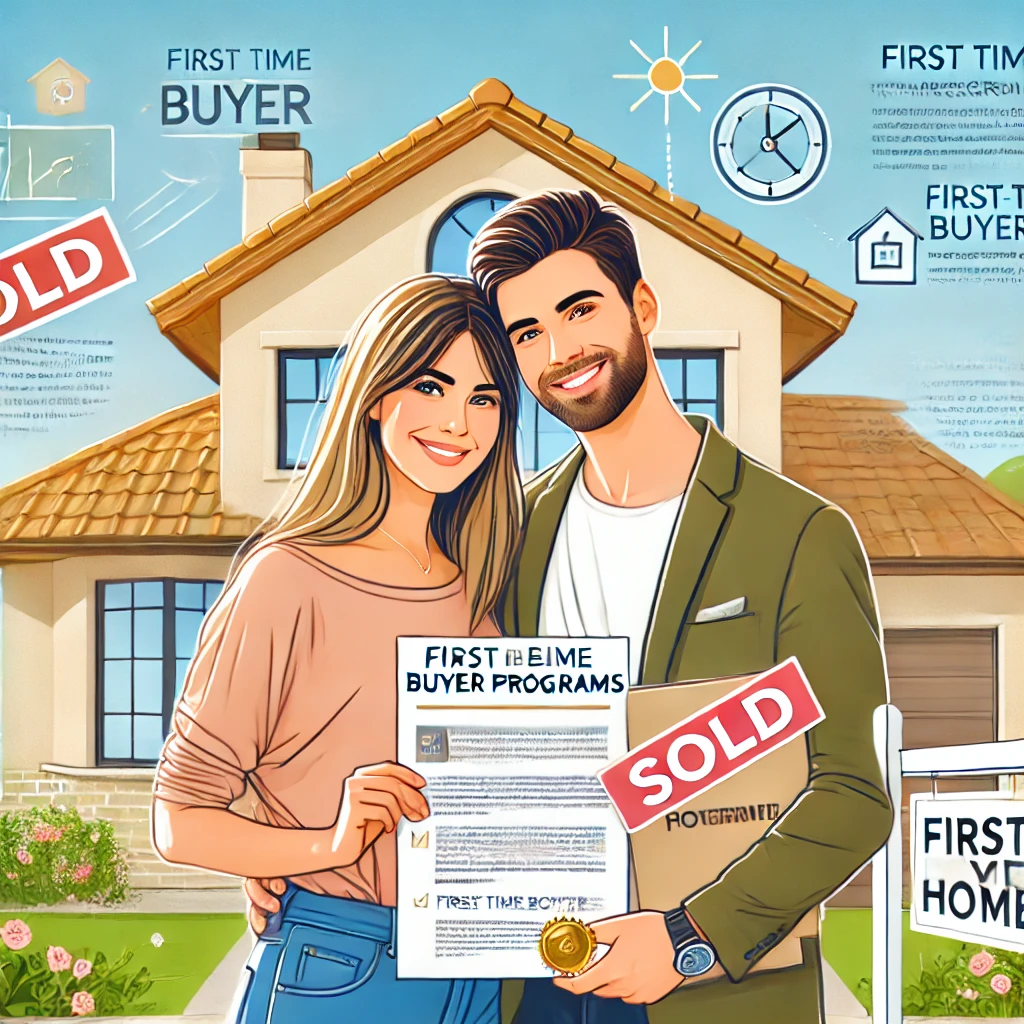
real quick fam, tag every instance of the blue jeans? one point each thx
(329, 960)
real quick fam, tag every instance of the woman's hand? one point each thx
(375, 798)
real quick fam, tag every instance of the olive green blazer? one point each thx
(745, 531)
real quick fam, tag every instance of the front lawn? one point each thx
(193, 945)
(846, 945)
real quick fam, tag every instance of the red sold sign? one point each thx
(710, 746)
(52, 274)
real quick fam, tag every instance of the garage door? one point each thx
(944, 683)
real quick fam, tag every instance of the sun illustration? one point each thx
(666, 76)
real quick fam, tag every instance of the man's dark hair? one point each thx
(531, 229)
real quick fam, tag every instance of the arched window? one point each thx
(448, 248)
(542, 438)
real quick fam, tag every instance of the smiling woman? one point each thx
(404, 522)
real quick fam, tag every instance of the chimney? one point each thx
(277, 174)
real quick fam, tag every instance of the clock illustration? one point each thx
(770, 143)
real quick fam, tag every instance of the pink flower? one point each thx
(1001, 984)
(81, 1004)
(43, 833)
(82, 968)
(16, 934)
(82, 873)
(24, 857)
(981, 963)
(969, 993)
(58, 958)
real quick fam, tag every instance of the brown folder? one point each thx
(686, 850)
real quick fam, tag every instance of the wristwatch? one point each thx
(693, 955)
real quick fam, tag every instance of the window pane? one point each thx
(186, 632)
(702, 379)
(323, 369)
(527, 427)
(149, 594)
(672, 371)
(188, 595)
(117, 595)
(297, 417)
(316, 415)
(149, 687)
(149, 634)
(212, 592)
(117, 686)
(117, 634)
(451, 244)
(705, 408)
(149, 737)
(117, 736)
(299, 378)
(180, 668)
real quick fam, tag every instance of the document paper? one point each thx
(509, 735)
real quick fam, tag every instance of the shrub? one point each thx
(974, 982)
(61, 984)
(49, 855)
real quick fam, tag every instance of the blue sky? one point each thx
(380, 69)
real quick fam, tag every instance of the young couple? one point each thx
(410, 519)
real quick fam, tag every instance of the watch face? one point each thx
(696, 958)
(770, 143)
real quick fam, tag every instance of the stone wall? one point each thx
(123, 799)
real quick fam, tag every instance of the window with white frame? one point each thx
(304, 380)
(146, 633)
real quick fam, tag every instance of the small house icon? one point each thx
(885, 250)
(60, 89)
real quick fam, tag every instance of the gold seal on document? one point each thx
(566, 945)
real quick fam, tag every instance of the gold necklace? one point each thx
(425, 571)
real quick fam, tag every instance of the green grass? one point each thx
(846, 945)
(193, 945)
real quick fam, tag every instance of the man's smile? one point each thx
(443, 454)
(582, 381)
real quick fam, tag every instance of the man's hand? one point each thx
(262, 900)
(639, 967)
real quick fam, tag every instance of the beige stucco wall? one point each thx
(27, 716)
(324, 286)
(990, 602)
(49, 679)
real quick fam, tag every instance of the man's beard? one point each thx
(625, 372)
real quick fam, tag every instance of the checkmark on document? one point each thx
(421, 841)
(422, 901)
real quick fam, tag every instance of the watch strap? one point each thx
(680, 930)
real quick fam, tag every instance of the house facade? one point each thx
(111, 557)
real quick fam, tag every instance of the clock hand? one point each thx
(779, 153)
(778, 136)
(768, 120)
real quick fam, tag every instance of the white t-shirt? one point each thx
(605, 568)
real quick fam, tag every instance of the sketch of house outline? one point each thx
(885, 229)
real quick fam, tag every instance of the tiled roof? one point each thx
(187, 313)
(156, 481)
(159, 482)
(908, 498)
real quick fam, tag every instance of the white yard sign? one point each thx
(967, 862)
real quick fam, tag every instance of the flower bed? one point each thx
(49, 855)
(58, 983)
(972, 983)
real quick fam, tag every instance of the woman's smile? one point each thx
(443, 454)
